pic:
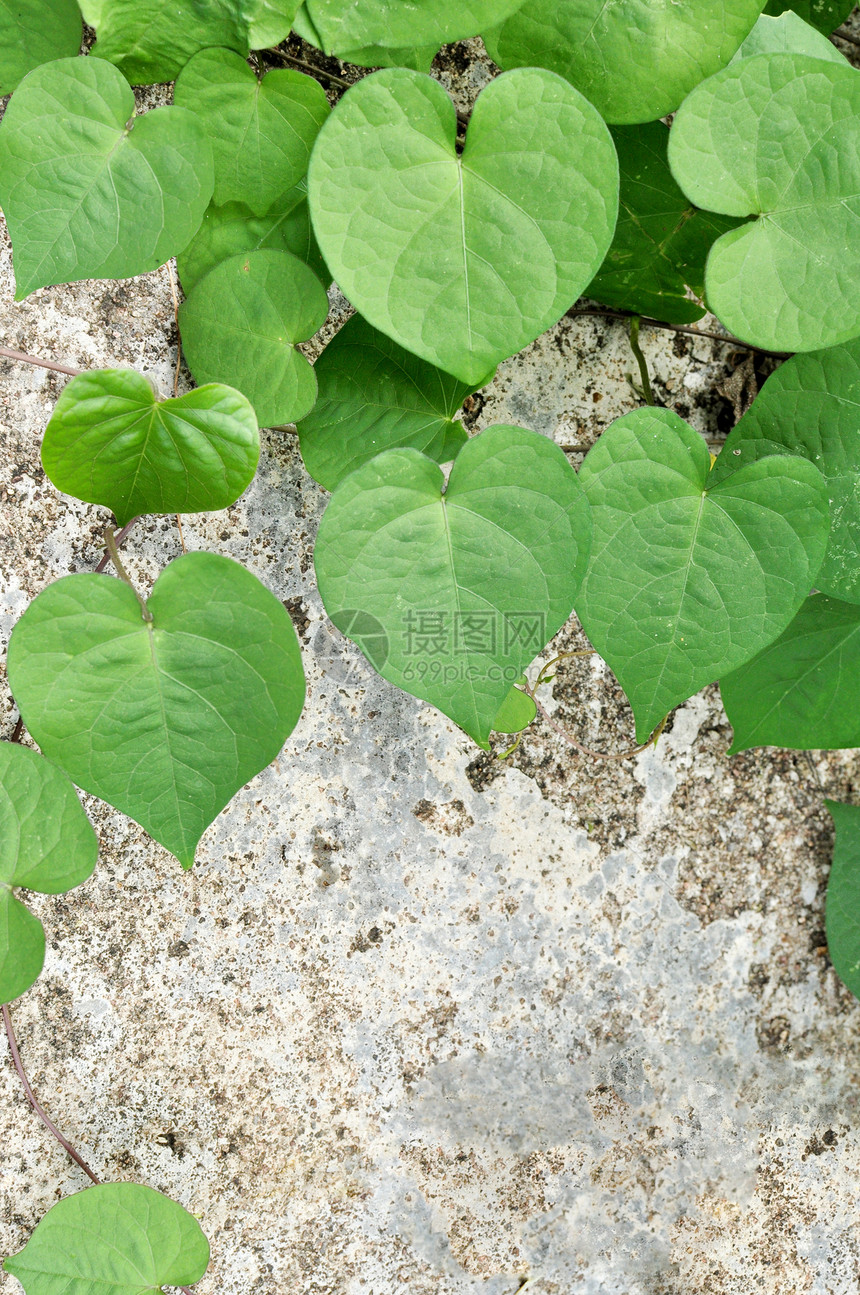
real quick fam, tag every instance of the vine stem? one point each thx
(23, 358)
(43, 1115)
(34, 1101)
(646, 321)
(847, 35)
(110, 540)
(119, 536)
(640, 360)
(587, 750)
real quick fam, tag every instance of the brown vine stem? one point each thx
(587, 750)
(309, 67)
(847, 35)
(647, 322)
(33, 1100)
(23, 358)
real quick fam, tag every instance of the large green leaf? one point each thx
(46, 844)
(811, 407)
(111, 442)
(788, 34)
(417, 57)
(661, 241)
(240, 324)
(87, 192)
(451, 593)
(233, 229)
(113, 1239)
(164, 719)
(266, 128)
(635, 61)
(374, 396)
(463, 260)
(790, 278)
(345, 25)
(803, 691)
(152, 40)
(826, 15)
(34, 32)
(688, 580)
(843, 896)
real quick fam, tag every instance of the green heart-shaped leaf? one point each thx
(463, 260)
(515, 713)
(788, 34)
(826, 15)
(661, 241)
(88, 193)
(843, 896)
(240, 324)
(687, 581)
(811, 407)
(464, 587)
(152, 40)
(374, 396)
(345, 25)
(266, 128)
(111, 442)
(35, 33)
(416, 57)
(233, 229)
(802, 691)
(635, 61)
(164, 719)
(115, 1238)
(790, 279)
(46, 844)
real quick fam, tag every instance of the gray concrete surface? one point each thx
(419, 1021)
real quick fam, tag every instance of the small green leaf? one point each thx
(515, 713)
(344, 25)
(165, 720)
(843, 896)
(802, 691)
(47, 845)
(826, 15)
(788, 279)
(266, 128)
(233, 229)
(811, 406)
(688, 580)
(661, 242)
(111, 442)
(788, 34)
(35, 32)
(418, 58)
(635, 61)
(374, 396)
(463, 260)
(115, 1238)
(240, 324)
(88, 192)
(464, 586)
(152, 40)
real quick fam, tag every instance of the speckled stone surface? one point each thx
(421, 1022)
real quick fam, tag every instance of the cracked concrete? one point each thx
(419, 1021)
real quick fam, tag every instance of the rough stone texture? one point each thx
(420, 1021)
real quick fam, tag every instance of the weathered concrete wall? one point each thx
(418, 1021)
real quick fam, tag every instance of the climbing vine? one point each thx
(457, 242)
